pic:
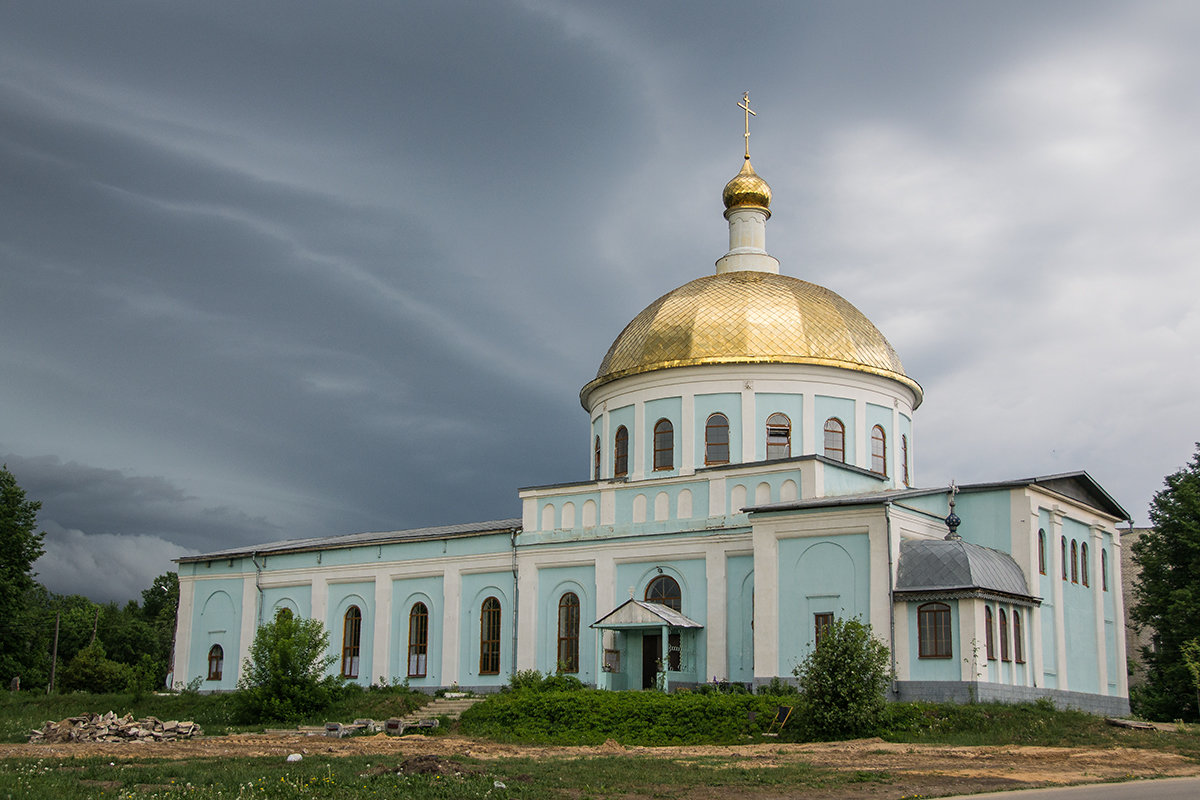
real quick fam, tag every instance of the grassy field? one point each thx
(364, 777)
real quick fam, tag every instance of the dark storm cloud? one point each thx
(290, 270)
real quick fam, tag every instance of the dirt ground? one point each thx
(928, 770)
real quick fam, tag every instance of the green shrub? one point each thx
(843, 680)
(284, 678)
(92, 671)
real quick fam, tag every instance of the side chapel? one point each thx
(752, 459)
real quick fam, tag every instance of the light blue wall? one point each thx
(296, 598)
(729, 404)
(986, 518)
(664, 408)
(739, 637)
(341, 597)
(405, 594)
(846, 481)
(935, 669)
(217, 619)
(552, 585)
(826, 407)
(766, 404)
(819, 575)
(477, 587)
(1079, 620)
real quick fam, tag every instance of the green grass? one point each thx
(363, 776)
(22, 712)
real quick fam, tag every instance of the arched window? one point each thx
(989, 637)
(1074, 562)
(779, 437)
(904, 457)
(879, 451)
(1104, 570)
(621, 453)
(664, 590)
(835, 439)
(489, 637)
(716, 439)
(1041, 551)
(933, 631)
(1064, 557)
(664, 445)
(568, 632)
(1004, 636)
(418, 640)
(216, 662)
(596, 461)
(1018, 643)
(1083, 564)
(351, 634)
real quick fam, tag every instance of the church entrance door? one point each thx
(651, 655)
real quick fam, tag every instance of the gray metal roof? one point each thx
(941, 565)
(359, 539)
(643, 614)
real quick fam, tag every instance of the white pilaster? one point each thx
(638, 442)
(451, 621)
(249, 622)
(715, 574)
(183, 631)
(748, 426)
(1095, 581)
(381, 643)
(766, 603)
(1117, 587)
(1060, 633)
(527, 616)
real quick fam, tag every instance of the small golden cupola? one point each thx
(747, 189)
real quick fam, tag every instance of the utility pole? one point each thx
(54, 657)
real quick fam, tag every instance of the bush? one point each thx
(92, 671)
(843, 680)
(284, 678)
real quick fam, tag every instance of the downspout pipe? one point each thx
(887, 517)
(258, 585)
(516, 600)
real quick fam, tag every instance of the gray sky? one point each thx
(271, 270)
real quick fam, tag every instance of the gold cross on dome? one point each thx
(745, 106)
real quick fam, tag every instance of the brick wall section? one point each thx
(1134, 639)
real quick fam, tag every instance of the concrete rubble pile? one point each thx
(111, 728)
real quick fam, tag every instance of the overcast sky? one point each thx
(273, 270)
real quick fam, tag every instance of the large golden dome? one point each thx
(750, 318)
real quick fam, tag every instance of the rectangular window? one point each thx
(821, 623)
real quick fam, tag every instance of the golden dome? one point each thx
(747, 189)
(750, 318)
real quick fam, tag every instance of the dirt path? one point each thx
(929, 770)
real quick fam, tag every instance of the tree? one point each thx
(843, 680)
(20, 546)
(284, 677)
(1167, 594)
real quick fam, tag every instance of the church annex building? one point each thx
(753, 461)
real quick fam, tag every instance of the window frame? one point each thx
(568, 633)
(1018, 641)
(709, 443)
(822, 621)
(351, 642)
(216, 662)
(989, 636)
(418, 640)
(1074, 561)
(1042, 551)
(664, 445)
(596, 460)
(778, 421)
(1103, 569)
(1064, 558)
(840, 432)
(933, 620)
(1084, 576)
(1005, 654)
(621, 452)
(672, 600)
(879, 436)
(489, 636)
(904, 457)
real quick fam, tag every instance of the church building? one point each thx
(753, 465)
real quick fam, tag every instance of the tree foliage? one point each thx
(284, 677)
(1167, 594)
(843, 680)
(20, 546)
